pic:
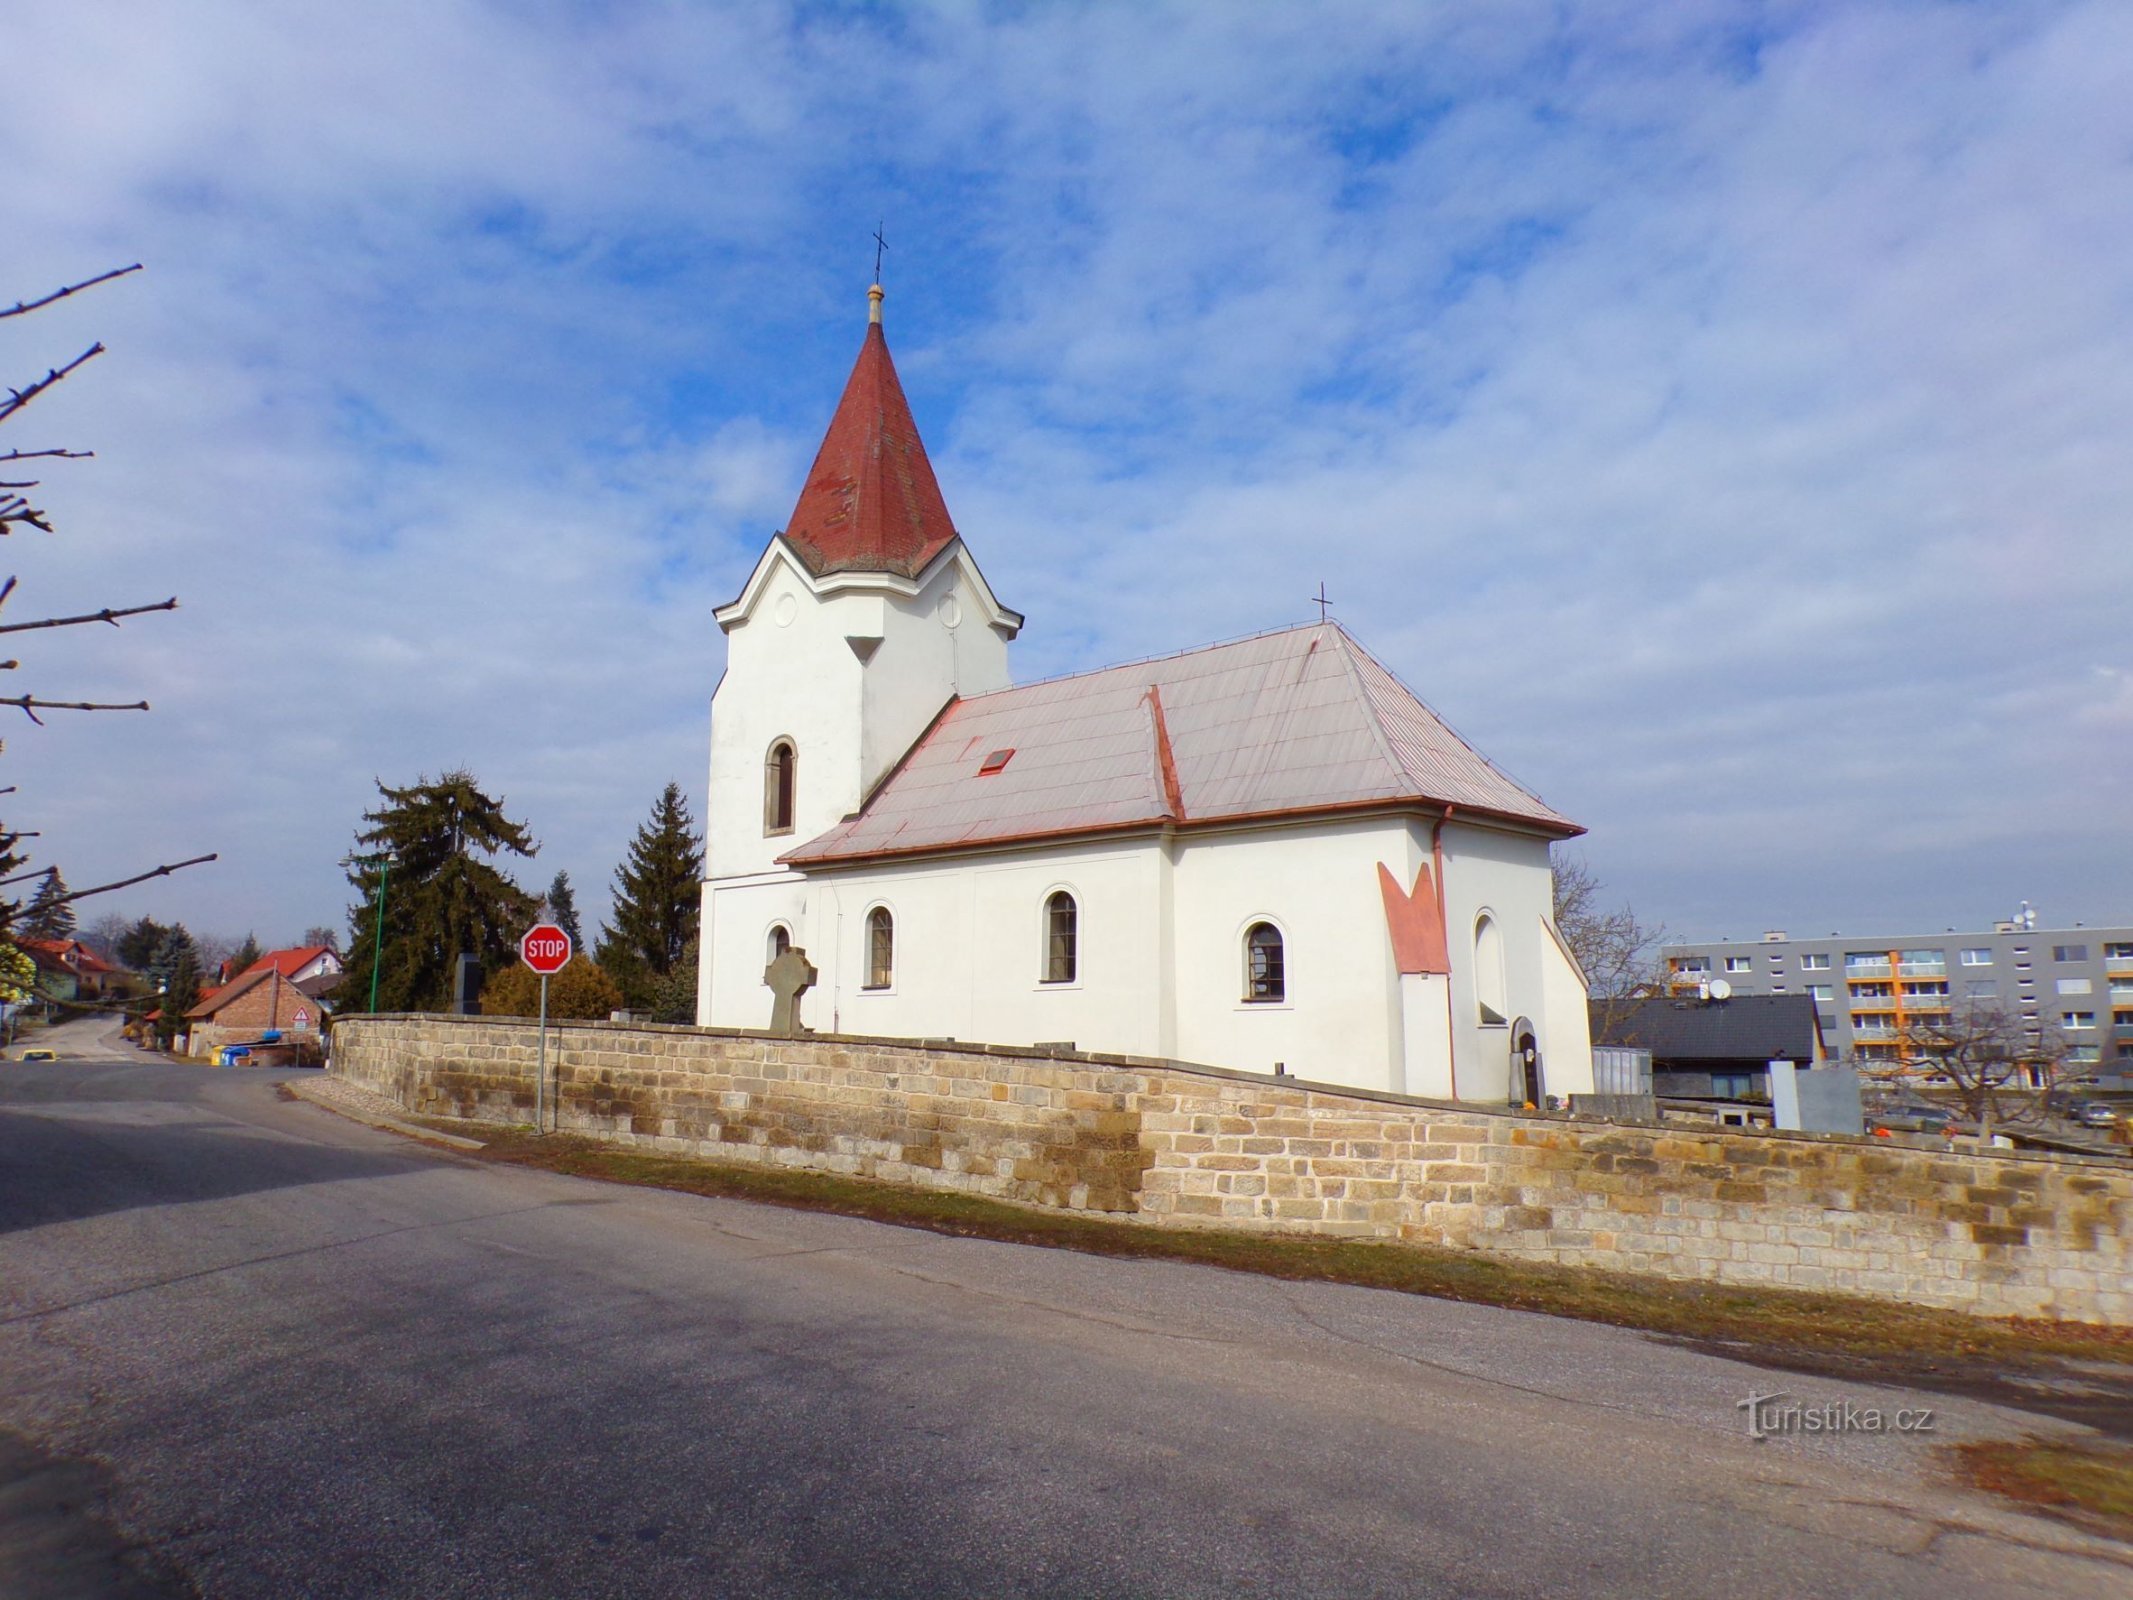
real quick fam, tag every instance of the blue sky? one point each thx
(1718, 413)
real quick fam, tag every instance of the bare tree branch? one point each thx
(21, 306)
(31, 705)
(109, 614)
(127, 883)
(18, 398)
(13, 509)
(39, 455)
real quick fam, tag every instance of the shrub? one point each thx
(581, 990)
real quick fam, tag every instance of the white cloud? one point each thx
(1719, 415)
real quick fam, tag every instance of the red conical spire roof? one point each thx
(871, 503)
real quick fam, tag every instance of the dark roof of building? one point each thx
(319, 985)
(1752, 1028)
(871, 503)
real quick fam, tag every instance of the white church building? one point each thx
(1265, 855)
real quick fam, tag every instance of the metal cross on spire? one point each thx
(880, 244)
(1320, 597)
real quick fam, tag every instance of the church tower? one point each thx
(860, 622)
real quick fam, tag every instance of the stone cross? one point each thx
(789, 977)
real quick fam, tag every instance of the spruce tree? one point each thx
(658, 898)
(430, 847)
(247, 953)
(137, 946)
(49, 915)
(562, 903)
(175, 970)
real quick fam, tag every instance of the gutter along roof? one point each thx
(1286, 724)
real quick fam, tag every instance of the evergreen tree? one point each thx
(175, 971)
(428, 847)
(329, 938)
(247, 953)
(50, 915)
(658, 898)
(674, 996)
(562, 903)
(137, 947)
(11, 862)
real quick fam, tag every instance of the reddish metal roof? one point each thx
(1297, 721)
(287, 962)
(871, 503)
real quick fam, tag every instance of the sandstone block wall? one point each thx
(2002, 1234)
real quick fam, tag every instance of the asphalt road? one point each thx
(248, 1348)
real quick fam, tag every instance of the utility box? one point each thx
(1824, 1100)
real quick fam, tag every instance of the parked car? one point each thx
(1916, 1119)
(2095, 1114)
(39, 1054)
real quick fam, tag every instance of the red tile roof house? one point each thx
(1267, 854)
(70, 970)
(248, 1006)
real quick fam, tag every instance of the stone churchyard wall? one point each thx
(2001, 1234)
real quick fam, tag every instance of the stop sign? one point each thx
(546, 949)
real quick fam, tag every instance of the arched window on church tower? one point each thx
(1266, 976)
(779, 774)
(780, 941)
(881, 948)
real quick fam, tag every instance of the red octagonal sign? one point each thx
(546, 949)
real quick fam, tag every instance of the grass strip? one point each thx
(1789, 1322)
(2090, 1484)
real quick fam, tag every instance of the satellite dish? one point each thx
(1721, 990)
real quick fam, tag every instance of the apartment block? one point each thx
(1868, 989)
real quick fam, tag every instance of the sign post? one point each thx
(546, 949)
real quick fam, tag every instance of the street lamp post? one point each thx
(384, 864)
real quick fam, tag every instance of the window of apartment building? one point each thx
(1923, 962)
(1870, 991)
(1732, 1085)
(2084, 1053)
(2122, 988)
(2122, 1019)
(2077, 1021)
(1982, 989)
(1867, 961)
(1814, 963)
(2118, 952)
(1822, 992)
(1977, 958)
(2073, 986)
(1925, 990)
(1692, 963)
(1739, 964)
(2070, 952)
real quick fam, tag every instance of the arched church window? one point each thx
(779, 775)
(881, 948)
(1062, 934)
(1265, 974)
(780, 941)
(1489, 995)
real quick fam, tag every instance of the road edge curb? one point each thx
(310, 1096)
